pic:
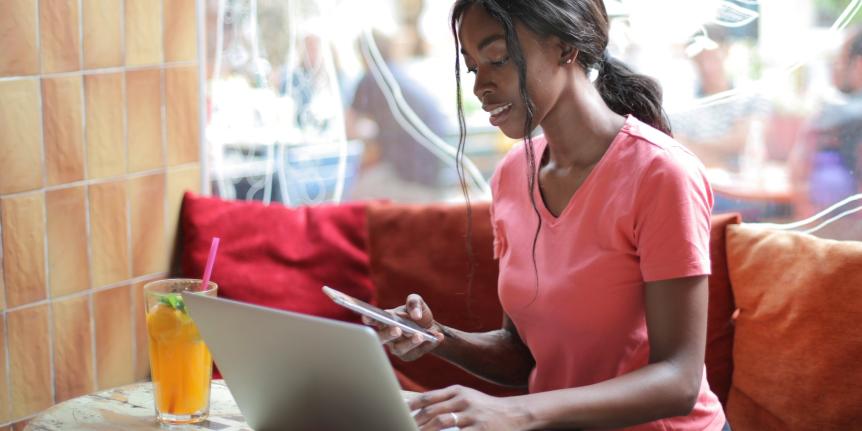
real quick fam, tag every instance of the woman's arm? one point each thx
(668, 386)
(498, 356)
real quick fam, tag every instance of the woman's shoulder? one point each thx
(654, 148)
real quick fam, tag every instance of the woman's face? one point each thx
(483, 44)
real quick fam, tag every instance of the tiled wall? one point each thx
(99, 137)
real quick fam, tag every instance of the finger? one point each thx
(441, 413)
(405, 344)
(416, 307)
(432, 397)
(443, 419)
(388, 334)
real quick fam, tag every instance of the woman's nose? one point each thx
(481, 87)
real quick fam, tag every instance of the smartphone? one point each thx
(366, 309)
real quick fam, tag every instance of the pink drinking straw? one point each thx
(210, 262)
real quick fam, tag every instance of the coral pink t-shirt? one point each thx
(641, 215)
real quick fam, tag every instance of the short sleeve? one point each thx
(674, 204)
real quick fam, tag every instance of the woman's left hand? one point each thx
(467, 409)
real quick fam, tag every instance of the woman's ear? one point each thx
(568, 54)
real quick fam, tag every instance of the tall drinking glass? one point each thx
(180, 362)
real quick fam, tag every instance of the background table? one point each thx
(131, 408)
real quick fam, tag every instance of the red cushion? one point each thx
(719, 326)
(422, 249)
(277, 256)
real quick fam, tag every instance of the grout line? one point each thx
(38, 41)
(163, 111)
(81, 35)
(48, 301)
(93, 365)
(96, 181)
(122, 19)
(102, 70)
(134, 327)
(145, 277)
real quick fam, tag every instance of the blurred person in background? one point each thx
(717, 131)
(395, 164)
(825, 164)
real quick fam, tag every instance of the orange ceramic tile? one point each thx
(109, 233)
(4, 382)
(183, 115)
(60, 35)
(114, 337)
(180, 180)
(29, 360)
(23, 248)
(68, 264)
(150, 252)
(144, 119)
(73, 357)
(143, 32)
(20, 123)
(180, 31)
(64, 131)
(142, 357)
(106, 149)
(101, 21)
(18, 38)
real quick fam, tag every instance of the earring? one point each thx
(569, 61)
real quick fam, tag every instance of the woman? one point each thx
(601, 230)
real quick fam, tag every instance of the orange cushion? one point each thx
(422, 249)
(797, 348)
(719, 327)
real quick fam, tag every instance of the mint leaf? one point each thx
(175, 301)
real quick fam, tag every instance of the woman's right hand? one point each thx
(406, 346)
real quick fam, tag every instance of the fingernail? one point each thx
(417, 340)
(417, 313)
(395, 332)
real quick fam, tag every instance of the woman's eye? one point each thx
(501, 61)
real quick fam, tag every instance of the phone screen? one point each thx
(377, 314)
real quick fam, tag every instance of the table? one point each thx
(131, 408)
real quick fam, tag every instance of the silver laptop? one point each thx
(299, 372)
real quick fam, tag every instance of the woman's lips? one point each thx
(499, 114)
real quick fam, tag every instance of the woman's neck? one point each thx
(580, 127)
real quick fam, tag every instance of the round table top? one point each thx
(131, 408)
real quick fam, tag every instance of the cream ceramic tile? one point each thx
(102, 21)
(144, 111)
(23, 248)
(67, 241)
(183, 115)
(60, 35)
(30, 361)
(143, 32)
(4, 381)
(106, 148)
(180, 31)
(20, 125)
(149, 249)
(73, 356)
(180, 180)
(109, 233)
(18, 38)
(114, 337)
(64, 131)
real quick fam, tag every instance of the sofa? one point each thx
(782, 352)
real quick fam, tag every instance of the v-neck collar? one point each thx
(549, 217)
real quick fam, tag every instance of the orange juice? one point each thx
(180, 362)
